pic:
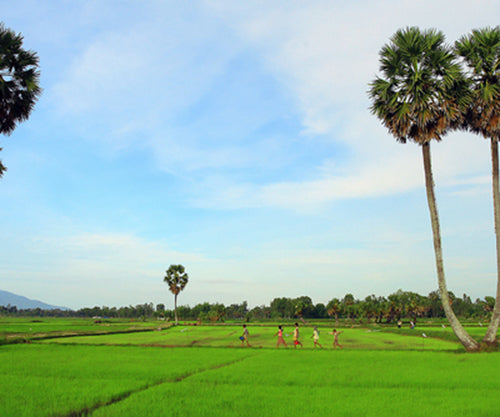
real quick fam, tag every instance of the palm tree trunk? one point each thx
(491, 334)
(467, 341)
(175, 309)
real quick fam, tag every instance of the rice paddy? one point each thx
(205, 371)
(263, 337)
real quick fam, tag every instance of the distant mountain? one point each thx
(8, 298)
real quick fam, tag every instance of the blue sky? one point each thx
(233, 138)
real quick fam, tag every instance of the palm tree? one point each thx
(348, 306)
(19, 82)
(481, 53)
(176, 279)
(419, 98)
(333, 308)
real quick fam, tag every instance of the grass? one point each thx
(442, 332)
(53, 380)
(263, 337)
(13, 330)
(351, 383)
(142, 374)
(249, 382)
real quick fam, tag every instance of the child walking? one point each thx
(336, 338)
(296, 340)
(315, 337)
(244, 337)
(281, 341)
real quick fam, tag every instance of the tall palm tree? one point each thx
(419, 98)
(176, 279)
(19, 82)
(480, 51)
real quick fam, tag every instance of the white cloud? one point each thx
(326, 54)
(382, 168)
(141, 76)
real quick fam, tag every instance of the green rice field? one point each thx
(205, 371)
(263, 337)
(23, 328)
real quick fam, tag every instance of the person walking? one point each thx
(244, 336)
(315, 337)
(281, 341)
(336, 343)
(296, 340)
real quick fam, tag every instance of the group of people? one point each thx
(296, 342)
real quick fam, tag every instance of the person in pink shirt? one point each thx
(281, 341)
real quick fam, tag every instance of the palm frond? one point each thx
(417, 94)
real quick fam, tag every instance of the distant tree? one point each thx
(489, 303)
(176, 278)
(144, 311)
(282, 308)
(435, 305)
(260, 312)
(320, 311)
(237, 311)
(348, 305)
(303, 306)
(382, 306)
(242, 310)
(481, 53)
(333, 308)
(19, 82)
(369, 306)
(407, 304)
(217, 312)
(463, 306)
(200, 311)
(184, 312)
(420, 97)
(168, 314)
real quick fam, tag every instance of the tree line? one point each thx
(399, 305)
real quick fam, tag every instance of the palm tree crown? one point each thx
(19, 80)
(417, 98)
(176, 278)
(480, 51)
